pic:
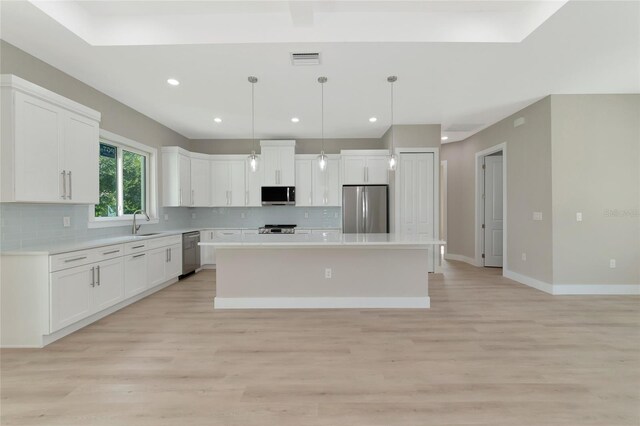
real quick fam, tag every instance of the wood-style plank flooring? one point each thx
(489, 352)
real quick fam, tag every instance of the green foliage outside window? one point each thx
(133, 181)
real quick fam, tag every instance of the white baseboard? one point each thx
(461, 258)
(320, 302)
(610, 289)
(531, 282)
(574, 289)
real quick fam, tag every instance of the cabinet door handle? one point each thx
(93, 277)
(64, 184)
(170, 254)
(166, 255)
(75, 259)
(211, 235)
(138, 255)
(98, 280)
(230, 197)
(70, 186)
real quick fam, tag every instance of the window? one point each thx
(126, 176)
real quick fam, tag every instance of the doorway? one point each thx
(491, 185)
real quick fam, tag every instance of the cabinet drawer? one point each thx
(109, 252)
(136, 247)
(164, 241)
(72, 259)
(221, 233)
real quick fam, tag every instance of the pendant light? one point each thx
(253, 158)
(392, 158)
(322, 158)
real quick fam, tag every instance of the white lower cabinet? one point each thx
(208, 253)
(173, 267)
(156, 260)
(135, 274)
(109, 287)
(71, 296)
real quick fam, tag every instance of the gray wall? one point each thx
(303, 146)
(413, 136)
(596, 171)
(528, 190)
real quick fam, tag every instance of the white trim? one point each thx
(152, 181)
(610, 289)
(321, 302)
(461, 258)
(531, 282)
(479, 211)
(574, 289)
(445, 205)
(364, 152)
(278, 142)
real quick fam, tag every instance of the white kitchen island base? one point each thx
(263, 272)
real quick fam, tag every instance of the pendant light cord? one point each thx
(393, 131)
(253, 117)
(322, 113)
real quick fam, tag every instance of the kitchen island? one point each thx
(322, 271)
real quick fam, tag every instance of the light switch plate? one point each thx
(537, 215)
(66, 221)
(579, 217)
(327, 273)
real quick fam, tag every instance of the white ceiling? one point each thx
(584, 47)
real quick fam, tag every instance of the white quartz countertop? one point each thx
(323, 240)
(68, 246)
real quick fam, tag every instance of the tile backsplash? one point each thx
(28, 225)
(254, 217)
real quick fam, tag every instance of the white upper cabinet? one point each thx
(200, 182)
(278, 163)
(254, 184)
(49, 146)
(326, 183)
(176, 177)
(304, 182)
(228, 181)
(315, 187)
(370, 167)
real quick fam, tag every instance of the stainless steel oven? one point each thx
(190, 252)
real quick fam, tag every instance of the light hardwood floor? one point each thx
(489, 352)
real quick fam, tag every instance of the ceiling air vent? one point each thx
(305, 59)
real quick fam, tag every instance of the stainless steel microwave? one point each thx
(278, 195)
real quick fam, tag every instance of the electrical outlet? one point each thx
(524, 257)
(66, 221)
(579, 217)
(537, 215)
(327, 273)
(193, 215)
(612, 263)
(166, 217)
(306, 215)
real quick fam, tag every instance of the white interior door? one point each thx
(493, 199)
(416, 210)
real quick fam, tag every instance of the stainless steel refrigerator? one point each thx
(365, 209)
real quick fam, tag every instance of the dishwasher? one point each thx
(190, 252)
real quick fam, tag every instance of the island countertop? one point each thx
(322, 240)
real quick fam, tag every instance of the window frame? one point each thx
(151, 181)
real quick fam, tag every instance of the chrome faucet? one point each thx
(135, 228)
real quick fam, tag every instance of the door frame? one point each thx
(444, 188)
(436, 196)
(479, 205)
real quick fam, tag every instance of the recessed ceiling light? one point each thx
(218, 120)
(373, 120)
(295, 120)
(444, 138)
(173, 82)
